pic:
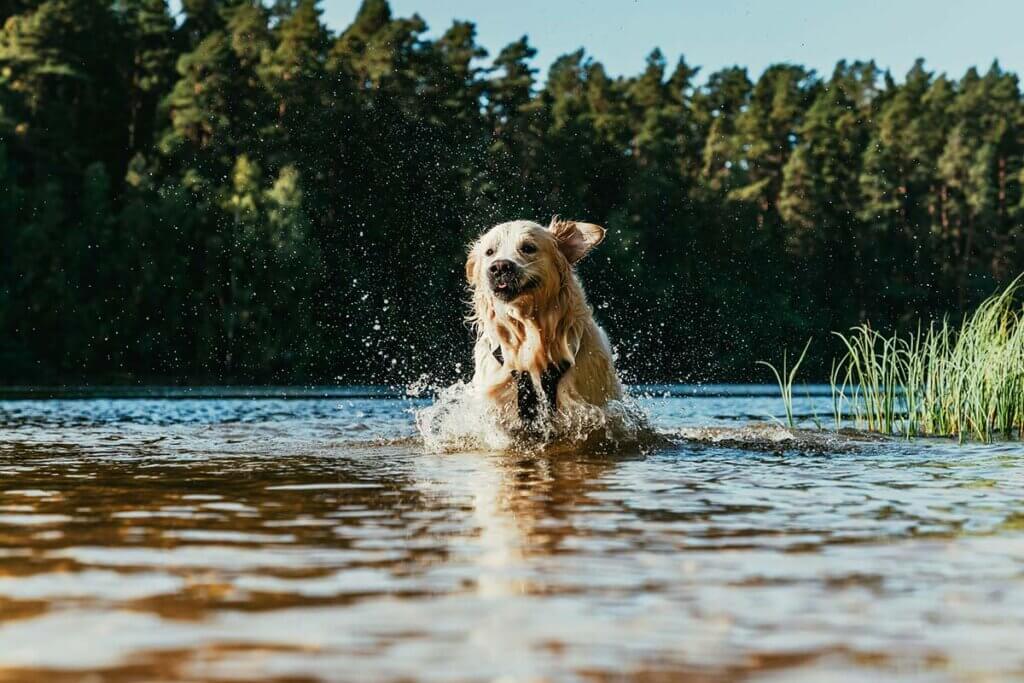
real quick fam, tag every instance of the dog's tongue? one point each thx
(502, 285)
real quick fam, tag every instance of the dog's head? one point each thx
(518, 258)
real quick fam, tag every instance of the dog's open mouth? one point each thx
(508, 287)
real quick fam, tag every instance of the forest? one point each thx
(240, 194)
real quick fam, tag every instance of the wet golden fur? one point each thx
(546, 325)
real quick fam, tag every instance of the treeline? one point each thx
(239, 194)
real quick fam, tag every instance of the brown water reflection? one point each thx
(292, 552)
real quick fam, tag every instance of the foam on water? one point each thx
(458, 420)
(772, 437)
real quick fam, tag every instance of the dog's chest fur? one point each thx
(528, 342)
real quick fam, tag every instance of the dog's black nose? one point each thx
(502, 267)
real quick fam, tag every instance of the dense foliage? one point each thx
(239, 194)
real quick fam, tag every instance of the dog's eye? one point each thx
(489, 252)
(528, 248)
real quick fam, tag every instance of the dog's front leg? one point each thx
(527, 400)
(549, 380)
(526, 397)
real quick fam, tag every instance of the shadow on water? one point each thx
(317, 540)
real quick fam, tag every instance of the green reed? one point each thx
(966, 381)
(785, 379)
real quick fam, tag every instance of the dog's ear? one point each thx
(471, 267)
(575, 240)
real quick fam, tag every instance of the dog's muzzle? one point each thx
(505, 280)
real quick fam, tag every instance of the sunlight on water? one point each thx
(222, 539)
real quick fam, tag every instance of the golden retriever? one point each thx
(538, 349)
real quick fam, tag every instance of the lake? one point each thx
(306, 535)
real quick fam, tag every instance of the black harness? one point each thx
(526, 393)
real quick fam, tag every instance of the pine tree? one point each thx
(513, 117)
(57, 61)
(199, 105)
(820, 198)
(294, 74)
(658, 189)
(150, 29)
(897, 180)
(372, 17)
(202, 17)
(765, 131)
(218, 107)
(459, 83)
(716, 107)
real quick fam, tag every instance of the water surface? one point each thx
(306, 536)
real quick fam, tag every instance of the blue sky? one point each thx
(950, 34)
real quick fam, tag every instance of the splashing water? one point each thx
(459, 420)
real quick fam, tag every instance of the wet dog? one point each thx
(538, 349)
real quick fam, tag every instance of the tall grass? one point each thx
(785, 379)
(966, 381)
